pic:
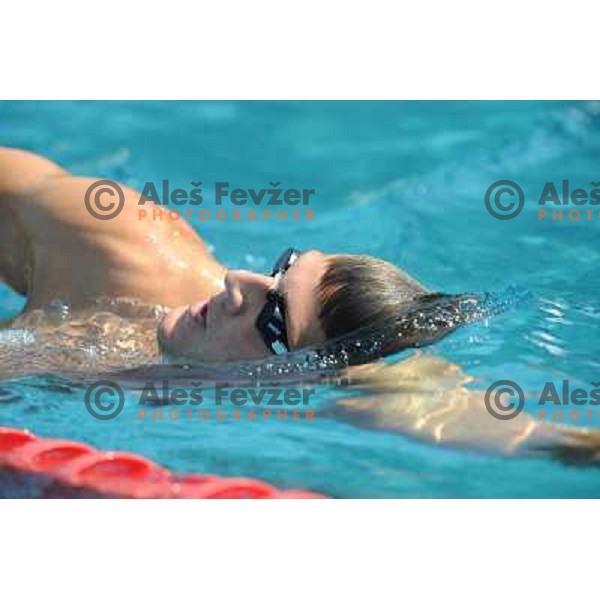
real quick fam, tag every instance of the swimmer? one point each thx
(52, 248)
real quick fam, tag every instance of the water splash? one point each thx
(423, 322)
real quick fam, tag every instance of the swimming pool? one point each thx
(403, 181)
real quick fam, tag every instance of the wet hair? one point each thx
(370, 309)
(357, 291)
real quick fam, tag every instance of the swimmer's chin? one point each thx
(166, 332)
(169, 332)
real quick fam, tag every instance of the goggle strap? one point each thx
(278, 348)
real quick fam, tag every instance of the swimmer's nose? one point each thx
(243, 286)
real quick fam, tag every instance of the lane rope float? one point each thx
(45, 467)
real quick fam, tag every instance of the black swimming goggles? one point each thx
(271, 322)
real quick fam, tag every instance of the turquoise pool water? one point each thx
(404, 181)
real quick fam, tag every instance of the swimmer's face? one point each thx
(223, 328)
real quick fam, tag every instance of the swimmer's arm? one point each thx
(21, 173)
(425, 398)
(46, 228)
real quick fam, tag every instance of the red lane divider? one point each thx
(121, 474)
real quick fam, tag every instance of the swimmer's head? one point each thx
(320, 297)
